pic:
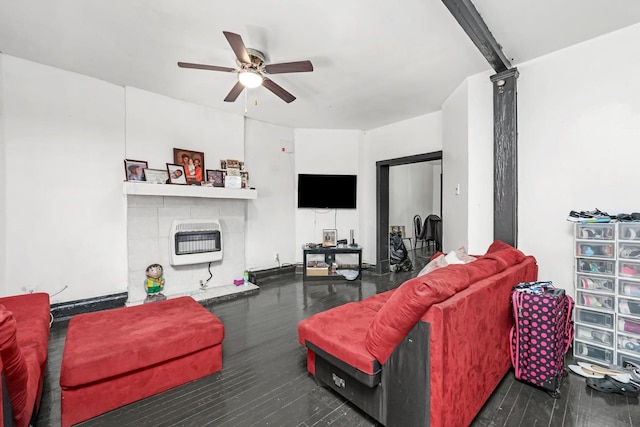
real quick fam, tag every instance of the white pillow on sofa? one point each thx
(459, 256)
(434, 264)
(452, 258)
(462, 255)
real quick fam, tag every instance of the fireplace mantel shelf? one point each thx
(147, 189)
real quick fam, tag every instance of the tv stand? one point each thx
(329, 256)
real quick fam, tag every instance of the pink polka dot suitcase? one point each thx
(541, 334)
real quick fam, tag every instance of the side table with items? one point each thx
(327, 263)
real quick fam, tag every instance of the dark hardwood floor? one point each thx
(264, 381)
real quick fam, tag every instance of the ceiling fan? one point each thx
(252, 71)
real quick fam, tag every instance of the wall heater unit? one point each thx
(195, 241)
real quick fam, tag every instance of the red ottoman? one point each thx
(115, 357)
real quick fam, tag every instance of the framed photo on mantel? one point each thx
(216, 177)
(134, 169)
(192, 162)
(176, 174)
(156, 176)
(329, 238)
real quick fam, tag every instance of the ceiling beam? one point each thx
(472, 23)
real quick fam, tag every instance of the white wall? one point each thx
(468, 166)
(156, 125)
(271, 216)
(579, 133)
(437, 188)
(414, 136)
(327, 152)
(480, 164)
(455, 161)
(412, 191)
(65, 211)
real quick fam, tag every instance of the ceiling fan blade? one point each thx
(205, 67)
(278, 90)
(238, 47)
(289, 67)
(235, 91)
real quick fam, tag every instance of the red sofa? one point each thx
(429, 352)
(24, 339)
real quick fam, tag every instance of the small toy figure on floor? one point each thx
(154, 284)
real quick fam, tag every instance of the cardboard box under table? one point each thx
(112, 358)
(317, 271)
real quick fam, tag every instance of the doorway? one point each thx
(383, 199)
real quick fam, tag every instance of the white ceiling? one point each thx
(376, 62)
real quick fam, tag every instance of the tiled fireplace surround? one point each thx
(149, 220)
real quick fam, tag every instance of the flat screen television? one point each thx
(327, 191)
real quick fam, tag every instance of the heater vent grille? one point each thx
(195, 241)
(197, 226)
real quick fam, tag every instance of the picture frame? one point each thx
(134, 169)
(176, 174)
(192, 162)
(233, 172)
(156, 176)
(216, 177)
(233, 164)
(329, 238)
(223, 164)
(232, 181)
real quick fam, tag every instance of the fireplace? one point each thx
(209, 233)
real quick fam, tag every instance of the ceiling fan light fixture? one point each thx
(250, 78)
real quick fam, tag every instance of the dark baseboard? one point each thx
(214, 300)
(259, 277)
(65, 310)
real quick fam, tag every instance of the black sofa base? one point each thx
(402, 397)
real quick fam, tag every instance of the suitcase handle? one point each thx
(513, 334)
(555, 291)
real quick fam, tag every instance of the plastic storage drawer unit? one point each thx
(629, 269)
(594, 335)
(595, 283)
(626, 324)
(625, 357)
(629, 288)
(628, 306)
(595, 318)
(596, 231)
(596, 266)
(594, 352)
(630, 231)
(596, 250)
(629, 343)
(593, 300)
